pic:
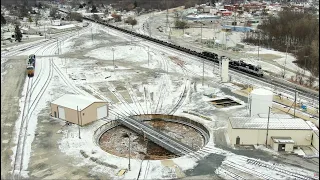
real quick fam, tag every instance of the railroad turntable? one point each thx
(185, 132)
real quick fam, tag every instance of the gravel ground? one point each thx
(11, 89)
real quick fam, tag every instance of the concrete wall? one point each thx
(315, 140)
(89, 114)
(86, 115)
(256, 136)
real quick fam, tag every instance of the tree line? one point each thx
(294, 32)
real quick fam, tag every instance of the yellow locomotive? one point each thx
(30, 71)
(31, 63)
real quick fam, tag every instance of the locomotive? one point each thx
(239, 65)
(31, 64)
(30, 71)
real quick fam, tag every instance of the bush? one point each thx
(75, 16)
(181, 24)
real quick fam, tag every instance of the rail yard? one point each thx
(105, 102)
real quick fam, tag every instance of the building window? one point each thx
(83, 114)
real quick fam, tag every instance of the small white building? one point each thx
(283, 132)
(56, 22)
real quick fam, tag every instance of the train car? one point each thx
(32, 56)
(30, 71)
(32, 60)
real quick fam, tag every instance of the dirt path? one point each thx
(11, 89)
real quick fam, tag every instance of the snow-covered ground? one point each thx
(164, 74)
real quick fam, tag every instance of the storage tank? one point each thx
(261, 100)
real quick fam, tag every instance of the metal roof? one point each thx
(73, 101)
(286, 140)
(274, 123)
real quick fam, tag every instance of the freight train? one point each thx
(31, 64)
(237, 65)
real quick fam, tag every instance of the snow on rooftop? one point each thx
(274, 123)
(73, 101)
(261, 92)
(64, 26)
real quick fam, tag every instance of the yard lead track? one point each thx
(18, 160)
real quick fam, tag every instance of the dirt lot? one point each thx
(11, 89)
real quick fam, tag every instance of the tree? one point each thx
(3, 20)
(36, 19)
(213, 3)
(135, 4)
(94, 9)
(53, 12)
(23, 11)
(311, 80)
(116, 17)
(131, 21)
(96, 17)
(181, 24)
(106, 12)
(30, 19)
(18, 34)
(75, 16)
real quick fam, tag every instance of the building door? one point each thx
(61, 113)
(102, 112)
(55, 114)
(281, 147)
(238, 140)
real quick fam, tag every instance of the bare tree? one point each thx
(53, 12)
(311, 80)
(37, 18)
(299, 76)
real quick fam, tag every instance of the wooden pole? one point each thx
(295, 102)
(268, 127)
(78, 122)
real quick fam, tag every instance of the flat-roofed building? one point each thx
(283, 131)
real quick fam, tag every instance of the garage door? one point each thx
(102, 112)
(61, 113)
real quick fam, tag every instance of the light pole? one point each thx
(113, 57)
(128, 135)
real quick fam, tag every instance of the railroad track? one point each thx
(30, 105)
(23, 130)
(307, 95)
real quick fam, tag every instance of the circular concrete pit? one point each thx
(116, 141)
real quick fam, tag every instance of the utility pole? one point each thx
(295, 100)
(259, 46)
(58, 45)
(91, 34)
(148, 56)
(129, 168)
(78, 122)
(285, 61)
(113, 57)
(202, 59)
(268, 127)
(167, 20)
